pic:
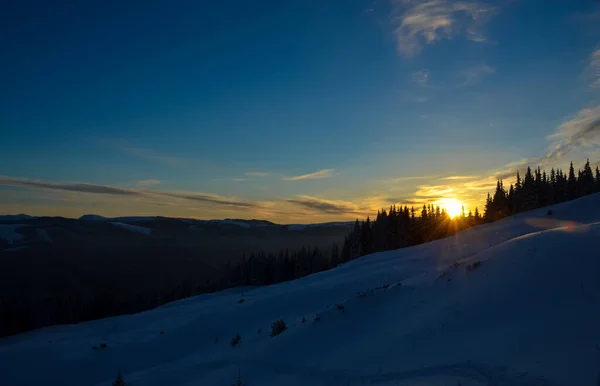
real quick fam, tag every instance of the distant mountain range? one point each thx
(127, 264)
(22, 230)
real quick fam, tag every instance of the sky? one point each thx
(294, 111)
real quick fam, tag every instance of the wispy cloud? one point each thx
(582, 130)
(147, 183)
(474, 74)
(459, 178)
(411, 178)
(434, 191)
(414, 201)
(67, 187)
(257, 174)
(420, 77)
(420, 22)
(325, 173)
(205, 198)
(325, 206)
(594, 68)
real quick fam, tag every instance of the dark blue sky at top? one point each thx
(196, 93)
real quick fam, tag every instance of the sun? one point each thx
(453, 207)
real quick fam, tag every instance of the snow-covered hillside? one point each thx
(9, 232)
(133, 228)
(516, 302)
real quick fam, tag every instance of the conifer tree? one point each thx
(119, 380)
(571, 184)
(587, 180)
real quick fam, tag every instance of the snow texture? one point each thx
(43, 234)
(527, 314)
(232, 222)
(133, 228)
(9, 233)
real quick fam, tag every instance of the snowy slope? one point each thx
(133, 228)
(9, 233)
(527, 315)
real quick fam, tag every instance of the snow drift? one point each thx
(515, 302)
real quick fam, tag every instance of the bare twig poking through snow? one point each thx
(278, 327)
(238, 380)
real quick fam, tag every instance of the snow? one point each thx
(43, 234)
(133, 228)
(528, 315)
(9, 233)
(232, 222)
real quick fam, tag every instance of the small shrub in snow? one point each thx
(448, 270)
(162, 333)
(119, 380)
(241, 300)
(95, 348)
(236, 340)
(474, 266)
(303, 319)
(102, 345)
(340, 307)
(278, 327)
(549, 212)
(317, 318)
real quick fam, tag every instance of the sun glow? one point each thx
(453, 206)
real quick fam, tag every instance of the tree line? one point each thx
(401, 226)
(538, 189)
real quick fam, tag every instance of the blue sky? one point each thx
(288, 111)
